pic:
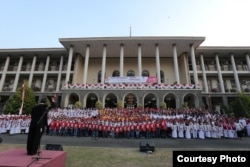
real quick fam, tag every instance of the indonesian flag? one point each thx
(23, 95)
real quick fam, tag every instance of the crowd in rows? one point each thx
(132, 123)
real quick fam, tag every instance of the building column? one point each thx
(176, 67)
(32, 71)
(222, 89)
(6, 65)
(139, 61)
(17, 74)
(71, 50)
(104, 51)
(194, 64)
(248, 61)
(59, 75)
(157, 55)
(86, 65)
(204, 74)
(186, 67)
(45, 74)
(121, 59)
(236, 78)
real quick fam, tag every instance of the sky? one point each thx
(40, 23)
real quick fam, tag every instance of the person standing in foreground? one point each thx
(239, 129)
(38, 122)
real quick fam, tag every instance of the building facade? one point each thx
(134, 71)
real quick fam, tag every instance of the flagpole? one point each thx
(23, 94)
(21, 109)
(130, 31)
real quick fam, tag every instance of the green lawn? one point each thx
(110, 157)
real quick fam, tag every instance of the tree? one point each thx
(78, 104)
(140, 106)
(14, 103)
(120, 104)
(241, 106)
(163, 105)
(99, 105)
(185, 105)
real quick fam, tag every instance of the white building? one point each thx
(116, 69)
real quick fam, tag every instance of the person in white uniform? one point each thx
(174, 130)
(248, 127)
(180, 129)
(201, 131)
(231, 131)
(208, 129)
(187, 128)
(214, 130)
(195, 129)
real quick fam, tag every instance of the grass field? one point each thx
(110, 157)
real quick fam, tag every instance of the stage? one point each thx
(19, 158)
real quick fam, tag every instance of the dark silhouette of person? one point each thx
(38, 122)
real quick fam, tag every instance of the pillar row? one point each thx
(104, 51)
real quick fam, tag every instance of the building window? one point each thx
(116, 73)
(233, 85)
(130, 73)
(99, 76)
(145, 73)
(162, 77)
(218, 85)
(209, 85)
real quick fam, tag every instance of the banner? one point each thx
(135, 79)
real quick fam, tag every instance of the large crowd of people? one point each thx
(133, 123)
